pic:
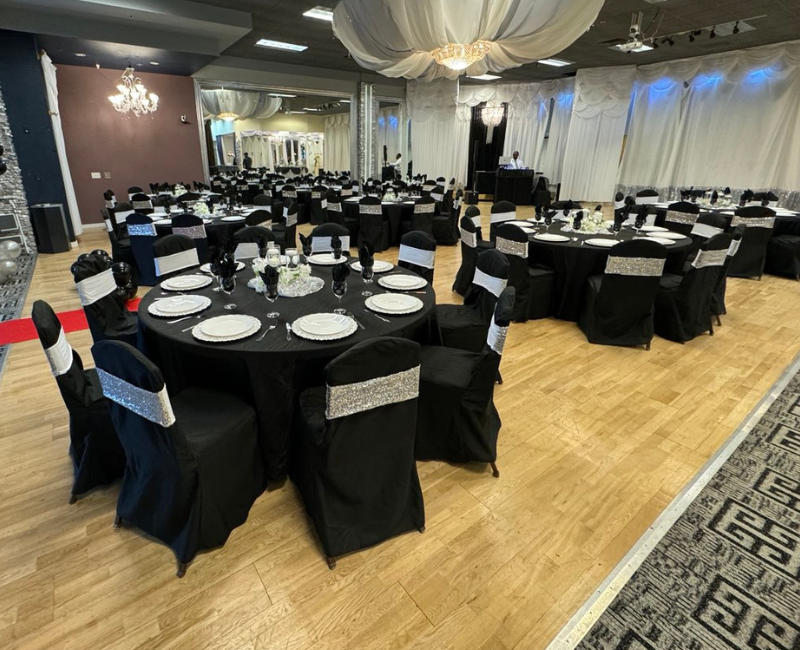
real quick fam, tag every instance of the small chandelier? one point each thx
(133, 96)
(459, 57)
(228, 117)
(492, 114)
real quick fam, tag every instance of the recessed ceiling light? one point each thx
(153, 62)
(316, 110)
(282, 95)
(344, 101)
(297, 112)
(486, 77)
(557, 63)
(631, 47)
(321, 13)
(280, 45)
(80, 54)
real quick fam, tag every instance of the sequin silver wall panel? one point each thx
(11, 182)
(367, 130)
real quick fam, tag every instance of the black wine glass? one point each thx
(339, 290)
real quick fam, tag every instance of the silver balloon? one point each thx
(10, 250)
(8, 267)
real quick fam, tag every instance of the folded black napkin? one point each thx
(227, 266)
(262, 246)
(641, 216)
(305, 242)
(336, 245)
(341, 272)
(726, 191)
(577, 221)
(714, 197)
(366, 256)
(270, 276)
(548, 218)
(214, 261)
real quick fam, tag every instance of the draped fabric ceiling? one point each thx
(396, 37)
(244, 104)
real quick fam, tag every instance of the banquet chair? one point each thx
(457, 420)
(250, 240)
(134, 189)
(321, 238)
(437, 193)
(142, 203)
(372, 228)
(502, 212)
(188, 196)
(469, 256)
(334, 213)
(533, 284)
(120, 246)
(142, 234)
(319, 204)
(783, 256)
(109, 199)
(422, 216)
(108, 318)
(474, 213)
(680, 217)
(359, 488)
(417, 254)
(683, 302)
(194, 468)
(445, 225)
(193, 227)
(285, 230)
(119, 214)
(347, 188)
(174, 254)
(97, 456)
(749, 261)
(261, 218)
(618, 306)
(465, 326)
(262, 200)
(646, 197)
(289, 193)
(707, 225)
(718, 307)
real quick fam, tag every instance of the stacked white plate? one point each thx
(326, 259)
(324, 327)
(669, 235)
(661, 240)
(602, 243)
(378, 267)
(186, 283)
(206, 268)
(546, 236)
(653, 229)
(394, 304)
(178, 306)
(222, 329)
(232, 219)
(402, 282)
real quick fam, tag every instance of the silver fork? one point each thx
(288, 331)
(385, 320)
(268, 330)
(180, 320)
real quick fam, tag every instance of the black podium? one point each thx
(515, 185)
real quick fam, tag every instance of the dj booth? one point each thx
(515, 185)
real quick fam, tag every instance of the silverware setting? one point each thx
(288, 331)
(358, 322)
(385, 320)
(268, 330)
(180, 320)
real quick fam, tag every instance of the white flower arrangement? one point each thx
(593, 222)
(390, 196)
(287, 276)
(200, 209)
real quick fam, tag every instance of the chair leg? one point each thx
(331, 563)
(647, 346)
(711, 329)
(181, 569)
(719, 322)
(495, 471)
(421, 529)
(117, 521)
(499, 378)
(72, 498)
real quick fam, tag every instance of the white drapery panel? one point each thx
(441, 148)
(396, 37)
(260, 148)
(51, 86)
(337, 143)
(244, 104)
(597, 128)
(721, 120)
(552, 159)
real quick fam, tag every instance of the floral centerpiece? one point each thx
(294, 281)
(390, 195)
(200, 209)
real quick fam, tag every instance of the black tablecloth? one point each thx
(269, 374)
(574, 262)
(784, 225)
(217, 231)
(394, 213)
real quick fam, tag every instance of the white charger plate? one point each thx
(378, 267)
(670, 235)
(179, 306)
(232, 219)
(653, 229)
(546, 236)
(324, 327)
(163, 222)
(206, 268)
(602, 243)
(326, 259)
(186, 283)
(661, 240)
(394, 303)
(402, 282)
(230, 327)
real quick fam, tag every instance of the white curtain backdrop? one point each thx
(51, 84)
(552, 159)
(392, 134)
(721, 120)
(337, 143)
(441, 148)
(594, 144)
(245, 104)
(259, 146)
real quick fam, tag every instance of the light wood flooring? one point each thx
(595, 443)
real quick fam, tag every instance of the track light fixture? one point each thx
(736, 28)
(713, 33)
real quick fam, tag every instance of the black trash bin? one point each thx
(50, 228)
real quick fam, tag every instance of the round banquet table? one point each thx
(787, 222)
(269, 374)
(217, 231)
(574, 262)
(393, 211)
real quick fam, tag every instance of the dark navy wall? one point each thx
(22, 83)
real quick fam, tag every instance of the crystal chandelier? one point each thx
(492, 114)
(228, 117)
(459, 57)
(133, 96)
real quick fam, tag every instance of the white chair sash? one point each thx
(98, 286)
(290, 194)
(109, 225)
(618, 205)
(193, 232)
(763, 222)
(705, 230)
(637, 266)
(176, 262)
(323, 244)
(246, 251)
(476, 221)
(110, 203)
(500, 217)
(416, 256)
(496, 339)
(291, 219)
(142, 205)
(710, 258)
(469, 238)
(141, 230)
(437, 196)
(425, 208)
(154, 407)
(59, 355)
(510, 247)
(681, 217)
(646, 200)
(350, 399)
(324, 204)
(121, 216)
(347, 192)
(734, 247)
(335, 206)
(493, 285)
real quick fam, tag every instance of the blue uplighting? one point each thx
(565, 98)
(758, 76)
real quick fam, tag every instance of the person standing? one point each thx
(247, 161)
(398, 166)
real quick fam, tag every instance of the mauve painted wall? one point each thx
(137, 151)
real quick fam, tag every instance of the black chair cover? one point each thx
(358, 487)
(680, 217)
(718, 306)
(683, 303)
(469, 256)
(707, 225)
(618, 309)
(259, 218)
(418, 254)
(142, 235)
(783, 256)
(424, 211)
(533, 284)
(97, 455)
(193, 464)
(325, 232)
(465, 326)
(457, 420)
(646, 197)
(319, 204)
(262, 200)
(335, 210)
(192, 226)
(142, 203)
(502, 211)
(445, 226)
(173, 255)
(286, 231)
(749, 261)
(373, 228)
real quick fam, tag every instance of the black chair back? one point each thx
(502, 211)
(193, 227)
(488, 282)
(424, 210)
(174, 254)
(681, 217)
(321, 237)
(469, 256)
(512, 241)
(759, 224)
(418, 253)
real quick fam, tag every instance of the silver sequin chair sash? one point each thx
(762, 222)
(350, 399)
(469, 238)
(710, 258)
(681, 217)
(510, 247)
(636, 266)
(154, 407)
(496, 338)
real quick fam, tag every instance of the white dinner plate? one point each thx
(324, 327)
(661, 240)
(402, 282)
(353, 199)
(186, 283)
(394, 303)
(670, 235)
(326, 259)
(232, 219)
(653, 229)
(546, 236)
(163, 222)
(378, 267)
(179, 306)
(231, 327)
(602, 243)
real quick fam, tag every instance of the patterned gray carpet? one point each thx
(12, 295)
(727, 573)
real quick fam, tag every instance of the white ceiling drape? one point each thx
(396, 37)
(245, 104)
